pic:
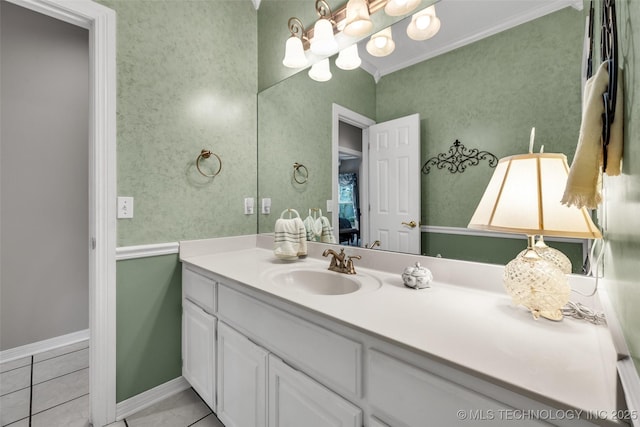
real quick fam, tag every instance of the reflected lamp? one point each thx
(523, 196)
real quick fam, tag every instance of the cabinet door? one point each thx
(242, 380)
(297, 400)
(199, 351)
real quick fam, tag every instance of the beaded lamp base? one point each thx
(537, 284)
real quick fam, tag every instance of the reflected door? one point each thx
(394, 184)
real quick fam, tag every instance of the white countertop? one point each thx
(572, 362)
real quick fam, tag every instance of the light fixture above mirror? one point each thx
(424, 24)
(381, 43)
(358, 21)
(323, 42)
(353, 20)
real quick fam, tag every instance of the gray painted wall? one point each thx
(44, 289)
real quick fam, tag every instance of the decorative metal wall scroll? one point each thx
(458, 158)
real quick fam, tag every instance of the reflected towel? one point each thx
(616, 138)
(326, 235)
(312, 227)
(583, 183)
(290, 238)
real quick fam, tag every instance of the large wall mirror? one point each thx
(483, 85)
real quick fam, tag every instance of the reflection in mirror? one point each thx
(487, 94)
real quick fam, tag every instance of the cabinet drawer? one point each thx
(324, 355)
(199, 289)
(405, 395)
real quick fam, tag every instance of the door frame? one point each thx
(342, 114)
(101, 23)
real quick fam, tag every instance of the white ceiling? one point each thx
(462, 22)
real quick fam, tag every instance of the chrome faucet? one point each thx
(339, 263)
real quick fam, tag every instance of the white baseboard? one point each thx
(44, 345)
(149, 397)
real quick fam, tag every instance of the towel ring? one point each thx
(298, 175)
(205, 154)
(289, 211)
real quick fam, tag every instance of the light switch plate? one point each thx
(125, 207)
(248, 205)
(329, 205)
(266, 205)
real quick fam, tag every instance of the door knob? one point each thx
(411, 224)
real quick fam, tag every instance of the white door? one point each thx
(295, 400)
(242, 380)
(394, 184)
(198, 350)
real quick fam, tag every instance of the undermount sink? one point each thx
(322, 282)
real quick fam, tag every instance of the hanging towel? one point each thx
(312, 227)
(616, 137)
(326, 235)
(583, 183)
(290, 238)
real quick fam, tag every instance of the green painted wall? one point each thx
(186, 80)
(148, 324)
(489, 95)
(295, 125)
(622, 195)
(492, 250)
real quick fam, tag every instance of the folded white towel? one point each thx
(583, 183)
(326, 235)
(290, 238)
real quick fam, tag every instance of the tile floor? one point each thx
(51, 389)
(46, 389)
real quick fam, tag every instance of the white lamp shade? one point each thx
(524, 196)
(348, 59)
(320, 71)
(381, 43)
(323, 42)
(294, 56)
(400, 7)
(424, 24)
(358, 21)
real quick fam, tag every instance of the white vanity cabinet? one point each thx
(242, 380)
(279, 364)
(407, 395)
(297, 400)
(199, 335)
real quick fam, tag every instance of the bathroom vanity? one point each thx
(272, 343)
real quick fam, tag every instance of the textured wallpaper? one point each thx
(186, 81)
(294, 125)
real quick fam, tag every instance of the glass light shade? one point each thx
(294, 56)
(400, 7)
(348, 59)
(523, 196)
(320, 71)
(358, 21)
(381, 43)
(537, 284)
(424, 24)
(323, 42)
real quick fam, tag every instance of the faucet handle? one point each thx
(349, 266)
